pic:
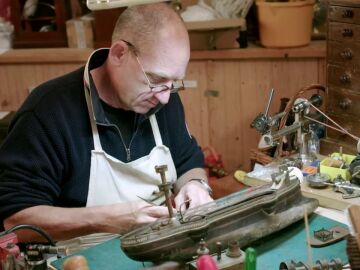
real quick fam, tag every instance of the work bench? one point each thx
(284, 245)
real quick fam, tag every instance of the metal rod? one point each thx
(165, 186)
(148, 201)
(269, 101)
(271, 138)
(342, 186)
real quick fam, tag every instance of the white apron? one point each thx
(113, 181)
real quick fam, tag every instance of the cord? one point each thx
(30, 227)
(340, 128)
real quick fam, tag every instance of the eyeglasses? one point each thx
(177, 85)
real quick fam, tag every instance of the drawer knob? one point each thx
(345, 78)
(348, 13)
(347, 32)
(346, 54)
(345, 103)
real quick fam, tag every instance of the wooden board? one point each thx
(326, 196)
(215, 24)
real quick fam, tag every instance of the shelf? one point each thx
(27, 31)
(47, 18)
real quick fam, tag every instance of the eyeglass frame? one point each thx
(172, 89)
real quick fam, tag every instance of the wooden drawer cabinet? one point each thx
(349, 123)
(344, 54)
(339, 76)
(344, 32)
(343, 73)
(342, 101)
(344, 11)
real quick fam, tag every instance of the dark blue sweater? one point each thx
(45, 159)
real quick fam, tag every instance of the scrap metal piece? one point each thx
(233, 250)
(324, 237)
(246, 216)
(345, 187)
(283, 177)
(318, 180)
(354, 169)
(351, 196)
(202, 250)
(348, 190)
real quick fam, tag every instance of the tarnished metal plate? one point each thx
(337, 233)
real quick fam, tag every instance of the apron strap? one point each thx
(156, 131)
(96, 138)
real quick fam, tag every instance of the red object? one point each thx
(5, 9)
(206, 262)
(214, 165)
(8, 246)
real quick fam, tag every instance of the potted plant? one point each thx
(285, 24)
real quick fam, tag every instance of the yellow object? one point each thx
(331, 165)
(240, 175)
(285, 24)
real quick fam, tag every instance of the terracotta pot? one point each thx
(285, 24)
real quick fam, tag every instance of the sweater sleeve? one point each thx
(30, 166)
(184, 148)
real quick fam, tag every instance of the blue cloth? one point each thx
(106, 256)
(290, 244)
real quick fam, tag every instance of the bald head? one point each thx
(147, 25)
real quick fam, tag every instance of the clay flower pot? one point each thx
(285, 24)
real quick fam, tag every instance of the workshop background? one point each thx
(227, 86)
(244, 54)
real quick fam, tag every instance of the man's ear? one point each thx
(117, 51)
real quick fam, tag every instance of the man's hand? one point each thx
(141, 213)
(194, 193)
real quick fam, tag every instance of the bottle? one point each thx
(313, 142)
(250, 259)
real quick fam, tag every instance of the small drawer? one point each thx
(344, 32)
(341, 101)
(343, 77)
(343, 53)
(344, 14)
(351, 124)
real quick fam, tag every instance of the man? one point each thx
(81, 151)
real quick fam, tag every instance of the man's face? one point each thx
(146, 73)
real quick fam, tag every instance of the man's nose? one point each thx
(163, 97)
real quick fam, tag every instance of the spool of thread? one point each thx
(206, 262)
(250, 259)
(294, 171)
(76, 263)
